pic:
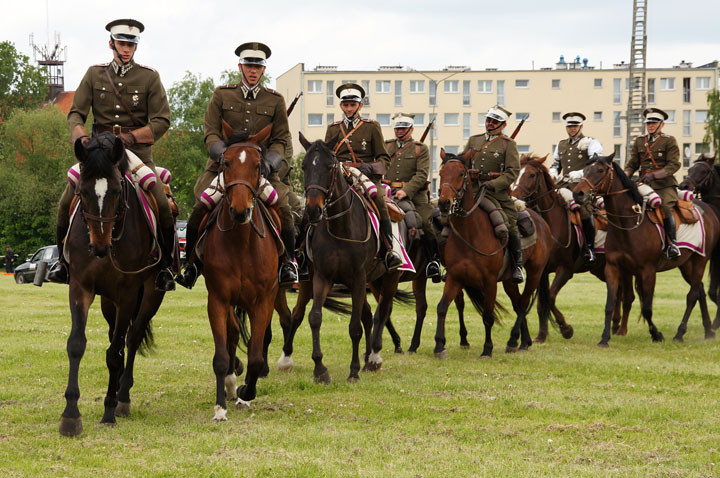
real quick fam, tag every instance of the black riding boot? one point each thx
(288, 274)
(59, 271)
(588, 229)
(392, 259)
(193, 267)
(672, 250)
(303, 259)
(516, 256)
(164, 280)
(432, 270)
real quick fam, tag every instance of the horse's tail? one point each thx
(241, 316)
(337, 306)
(404, 297)
(543, 296)
(477, 297)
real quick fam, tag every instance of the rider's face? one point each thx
(124, 50)
(401, 133)
(573, 130)
(654, 127)
(349, 108)
(252, 73)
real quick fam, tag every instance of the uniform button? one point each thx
(248, 111)
(120, 84)
(136, 91)
(103, 88)
(231, 107)
(117, 106)
(248, 104)
(247, 121)
(117, 116)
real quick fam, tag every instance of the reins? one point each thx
(610, 177)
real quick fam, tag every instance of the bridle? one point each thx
(603, 188)
(534, 191)
(708, 177)
(241, 182)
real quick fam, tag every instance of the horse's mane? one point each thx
(320, 146)
(98, 163)
(539, 163)
(240, 137)
(626, 181)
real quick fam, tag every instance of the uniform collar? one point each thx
(352, 123)
(575, 139)
(652, 138)
(121, 70)
(403, 143)
(490, 137)
(250, 92)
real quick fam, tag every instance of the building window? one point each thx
(330, 89)
(617, 95)
(365, 115)
(616, 124)
(667, 84)
(617, 149)
(315, 86)
(452, 86)
(702, 148)
(702, 83)
(687, 154)
(556, 116)
(398, 93)
(519, 116)
(452, 149)
(651, 91)
(671, 116)
(597, 83)
(382, 86)
(417, 86)
(686, 90)
(555, 84)
(383, 119)
(451, 119)
(522, 83)
(433, 161)
(523, 148)
(597, 116)
(466, 125)
(419, 119)
(433, 93)
(366, 87)
(700, 116)
(501, 92)
(315, 119)
(484, 86)
(330, 118)
(687, 122)
(466, 93)
(481, 118)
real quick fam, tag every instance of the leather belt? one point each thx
(115, 129)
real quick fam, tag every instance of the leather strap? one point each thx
(116, 130)
(344, 141)
(484, 147)
(397, 153)
(122, 101)
(648, 147)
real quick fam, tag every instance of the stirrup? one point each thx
(517, 275)
(673, 253)
(189, 276)
(590, 256)
(288, 274)
(392, 260)
(432, 271)
(164, 281)
(59, 273)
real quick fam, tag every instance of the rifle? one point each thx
(294, 102)
(517, 129)
(427, 130)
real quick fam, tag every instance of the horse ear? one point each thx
(80, 151)
(332, 144)
(303, 140)
(524, 158)
(442, 154)
(467, 157)
(118, 151)
(227, 130)
(610, 158)
(261, 136)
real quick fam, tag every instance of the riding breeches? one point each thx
(422, 211)
(379, 200)
(508, 210)
(669, 198)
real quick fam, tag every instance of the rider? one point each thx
(360, 141)
(493, 152)
(128, 100)
(248, 107)
(657, 156)
(570, 157)
(407, 176)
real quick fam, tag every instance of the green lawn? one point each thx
(565, 408)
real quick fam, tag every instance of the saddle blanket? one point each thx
(398, 246)
(689, 236)
(600, 236)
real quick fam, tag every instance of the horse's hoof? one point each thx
(511, 350)
(241, 404)
(264, 372)
(567, 332)
(220, 414)
(122, 409)
(659, 337)
(353, 379)
(323, 378)
(412, 349)
(108, 423)
(244, 393)
(71, 427)
(525, 347)
(464, 345)
(678, 339)
(238, 367)
(539, 340)
(486, 356)
(373, 366)
(399, 350)
(710, 335)
(285, 363)
(603, 345)
(442, 355)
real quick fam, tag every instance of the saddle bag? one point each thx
(686, 211)
(526, 226)
(496, 218)
(396, 214)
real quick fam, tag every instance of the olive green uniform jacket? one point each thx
(493, 154)
(410, 164)
(663, 150)
(571, 158)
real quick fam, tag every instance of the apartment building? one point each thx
(458, 98)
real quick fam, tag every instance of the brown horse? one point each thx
(474, 258)
(635, 248)
(535, 186)
(119, 269)
(240, 260)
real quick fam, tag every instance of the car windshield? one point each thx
(37, 256)
(48, 254)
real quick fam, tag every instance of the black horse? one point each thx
(109, 223)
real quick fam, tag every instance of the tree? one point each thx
(712, 123)
(22, 85)
(188, 100)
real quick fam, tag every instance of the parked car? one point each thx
(181, 227)
(25, 272)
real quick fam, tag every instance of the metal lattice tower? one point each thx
(52, 58)
(637, 99)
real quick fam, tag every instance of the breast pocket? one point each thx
(136, 97)
(232, 112)
(101, 93)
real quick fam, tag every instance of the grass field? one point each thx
(565, 408)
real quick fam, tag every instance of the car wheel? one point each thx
(19, 279)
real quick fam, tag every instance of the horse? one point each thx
(634, 247)
(537, 188)
(240, 264)
(118, 268)
(474, 258)
(703, 178)
(343, 249)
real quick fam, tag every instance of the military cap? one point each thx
(654, 115)
(403, 120)
(498, 113)
(573, 118)
(350, 92)
(253, 53)
(125, 29)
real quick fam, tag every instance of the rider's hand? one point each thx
(647, 178)
(127, 139)
(554, 174)
(400, 195)
(488, 185)
(575, 175)
(365, 168)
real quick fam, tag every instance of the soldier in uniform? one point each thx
(496, 155)
(128, 100)
(407, 176)
(248, 107)
(657, 156)
(359, 142)
(571, 156)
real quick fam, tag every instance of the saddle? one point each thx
(600, 218)
(684, 213)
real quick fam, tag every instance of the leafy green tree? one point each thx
(188, 100)
(712, 123)
(22, 85)
(33, 172)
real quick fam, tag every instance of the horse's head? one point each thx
(603, 176)
(453, 179)
(534, 178)
(240, 165)
(320, 169)
(701, 174)
(102, 164)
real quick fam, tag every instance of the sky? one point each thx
(201, 36)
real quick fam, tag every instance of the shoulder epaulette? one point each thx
(270, 90)
(337, 122)
(664, 135)
(229, 85)
(419, 143)
(388, 141)
(144, 66)
(367, 120)
(102, 65)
